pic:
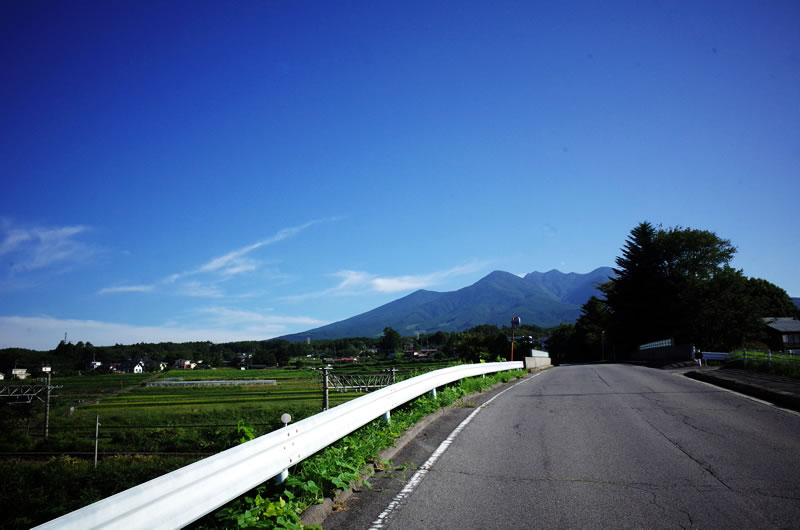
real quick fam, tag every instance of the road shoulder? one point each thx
(358, 506)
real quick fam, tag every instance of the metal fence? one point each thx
(768, 358)
(178, 498)
(753, 358)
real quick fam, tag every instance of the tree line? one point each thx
(482, 342)
(673, 283)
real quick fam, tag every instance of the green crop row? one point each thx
(35, 492)
(32, 495)
(131, 401)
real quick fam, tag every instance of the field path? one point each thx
(121, 391)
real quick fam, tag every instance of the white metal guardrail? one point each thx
(178, 498)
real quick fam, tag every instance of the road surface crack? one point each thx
(506, 478)
(678, 446)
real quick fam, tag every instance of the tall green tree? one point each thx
(635, 294)
(591, 328)
(661, 278)
(562, 344)
(677, 283)
(391, 341)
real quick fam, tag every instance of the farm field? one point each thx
(135, 418)
(147, 431)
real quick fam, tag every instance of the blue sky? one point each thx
(177, 171)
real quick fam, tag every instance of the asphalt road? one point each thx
(595, 446)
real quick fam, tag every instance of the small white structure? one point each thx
(537, 359)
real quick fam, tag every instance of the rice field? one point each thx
(136, 417)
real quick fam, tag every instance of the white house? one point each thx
(132, 367)
(19, 373)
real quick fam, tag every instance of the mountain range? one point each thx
(541, 298)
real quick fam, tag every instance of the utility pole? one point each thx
(603, 345)
(47, 370)
(325, 371)
(515, 322)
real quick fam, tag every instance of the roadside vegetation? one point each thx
(337, 466)
(181, 426)
(673, 283)
(766, 362)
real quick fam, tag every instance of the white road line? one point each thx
(751, 398)
(412, 484)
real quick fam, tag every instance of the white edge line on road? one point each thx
(751, 398)
(412, 484)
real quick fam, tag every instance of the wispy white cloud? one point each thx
(36, 248)
(222, 267)
(359, 282)
(226, 317)
(421, 281)
(235, 262)
(127, 289)
(44, 332)
(199, 290)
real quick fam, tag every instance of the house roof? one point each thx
(784, 325)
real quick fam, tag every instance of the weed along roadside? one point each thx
(317, 483)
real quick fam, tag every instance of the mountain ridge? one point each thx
(545, 299)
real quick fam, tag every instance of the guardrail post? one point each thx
(325, 371)
(433, 393)
(387, 416)
(281, 477)
(96, 439)
(769, 356)
(394, 375)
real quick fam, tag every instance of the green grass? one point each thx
(228, 374)
(121, 401)
(155, 419)
(780, 364)
(41, 491)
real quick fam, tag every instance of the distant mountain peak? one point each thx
(544, 299)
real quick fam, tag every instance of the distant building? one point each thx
(183, 364)
(19, 373)
(152, 366)
(132, 367)
(784, 333)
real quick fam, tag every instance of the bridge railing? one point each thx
(178, 498)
